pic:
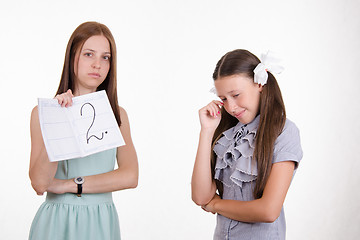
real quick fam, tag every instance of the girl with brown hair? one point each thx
(248, 150)
(82, 207)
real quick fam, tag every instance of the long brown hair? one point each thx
(271, 110)
(76, 42)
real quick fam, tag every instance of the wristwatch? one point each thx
(79, 181)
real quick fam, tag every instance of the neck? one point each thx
(82, 91)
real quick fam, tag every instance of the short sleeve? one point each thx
(287, 145)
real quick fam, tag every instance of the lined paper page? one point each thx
(88, 126)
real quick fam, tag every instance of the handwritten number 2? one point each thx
(93, 120)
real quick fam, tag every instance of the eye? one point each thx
(88, 54)
(106, 57)
(236, 95)
(223, 99)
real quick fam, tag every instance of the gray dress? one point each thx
(237, 170)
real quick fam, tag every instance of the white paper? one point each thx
(87, 127)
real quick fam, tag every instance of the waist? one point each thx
(85, 199)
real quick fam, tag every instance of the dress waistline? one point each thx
(85, 199)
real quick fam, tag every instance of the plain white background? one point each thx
(167, 51)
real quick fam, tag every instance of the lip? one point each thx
(239, 114)
(95, 75)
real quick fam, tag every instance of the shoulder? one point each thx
(35, 114)
(35, 129)
(290, 126)
(287, 145)
(123, 114)
(35, 110)
(289, 131)
(123, 117)
(125, 125)
(121, 110)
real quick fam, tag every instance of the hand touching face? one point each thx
(240, 96)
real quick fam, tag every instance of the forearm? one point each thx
(202, 185)
(265, 209)
(106, 182)
(246, 211)
(118, 179)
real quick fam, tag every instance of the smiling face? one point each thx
(91, 64)
(240, 95)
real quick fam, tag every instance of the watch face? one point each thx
(79, 180)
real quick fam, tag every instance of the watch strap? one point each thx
(79, 181)
(79, 190)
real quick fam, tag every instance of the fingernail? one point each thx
(218, 112)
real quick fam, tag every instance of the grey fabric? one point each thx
(237, 170)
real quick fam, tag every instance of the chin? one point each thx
(243, 122)
(246, 120)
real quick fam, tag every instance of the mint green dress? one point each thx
(69, 217)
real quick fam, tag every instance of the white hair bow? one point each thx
(269, 63)
(213, 90)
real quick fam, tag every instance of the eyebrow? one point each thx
(91, 50)
(228, 92)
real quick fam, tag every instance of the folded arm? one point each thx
(124, 177)
(265, 209)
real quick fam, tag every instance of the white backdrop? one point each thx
(167, 51)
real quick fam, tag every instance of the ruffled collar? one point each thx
(234, 163)
(241, 129)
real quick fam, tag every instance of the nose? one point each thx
(231, 105)
(96, 63)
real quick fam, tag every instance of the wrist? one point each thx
(207, 132)
(79, 182)
(216, 205)
(71, 186)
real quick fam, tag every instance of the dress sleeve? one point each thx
(287, 145)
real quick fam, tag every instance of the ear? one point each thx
(260, 87)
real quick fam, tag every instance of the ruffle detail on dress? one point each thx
(234, 151)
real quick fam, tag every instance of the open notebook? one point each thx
(88, 126)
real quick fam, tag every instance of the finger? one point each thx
(218, 103)
(210, 110)
(206, 111)
(68, 96)
(65, 101)
(211, 107)
(215, 110)
(203, 208)
(60, 99)
(70, 92)
(68, 100)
